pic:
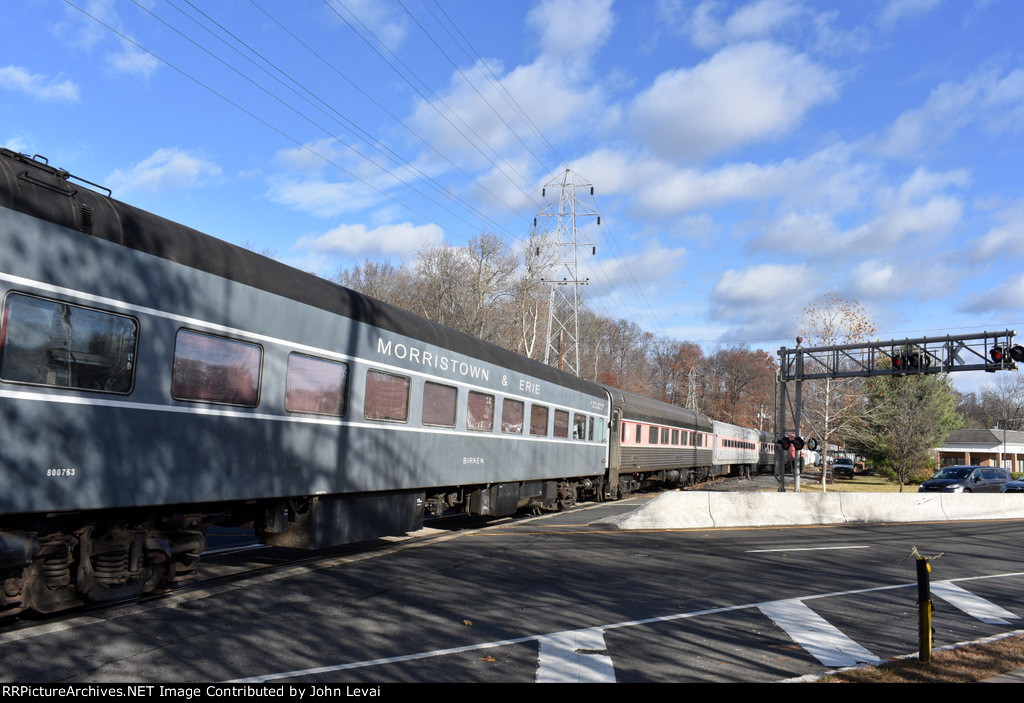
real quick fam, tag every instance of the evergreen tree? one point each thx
(906, 417)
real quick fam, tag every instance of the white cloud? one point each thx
(898, 10)
(470, 123)
(403, 238)
(571, 30)
(744, 93)
(381, 18)
(827, 178)
(758, 286)
(133, 60)
(322, 198)
(761, 301)
(755, 20)
(692, 189)
(995, 102)
(1002, 240)
(91, 26)
(874, 277)
(166, 169)
(1005, 296)
(85, 27)
(37, 85)
(918, 212)
(18, 144)
(658, 264)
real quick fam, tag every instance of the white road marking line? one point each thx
(577, 656)
(821, 639)
(973, 605)
(806, 549)
(625, 624)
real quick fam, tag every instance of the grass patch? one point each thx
(967, 664)
(857, 484)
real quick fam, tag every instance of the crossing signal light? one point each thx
(1005, 357)
(796, 443)
(912, 358)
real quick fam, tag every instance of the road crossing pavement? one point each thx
(559, 662)
(583, 655)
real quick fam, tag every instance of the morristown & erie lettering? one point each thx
(435, 361)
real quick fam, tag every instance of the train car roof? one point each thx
(646, 409)
(34, 188)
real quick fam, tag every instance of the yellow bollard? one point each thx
(924, 609)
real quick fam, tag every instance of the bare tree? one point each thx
(491, 265)
(831, 404)
(441, 272)
(528, 298)
(673, 364)
(378, 279)
(736, 384)
(1003, 402)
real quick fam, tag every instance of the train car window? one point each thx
(480, 412)
(652, 435)
(387, 397)
(638, 434)
(664, 435)
(579, 426)
(512, 414)
(214, 369)
(590, 431)
(561, 423)
(315, 385)
(439, 404)
(50, 343)
(675, 437)
(539, 421)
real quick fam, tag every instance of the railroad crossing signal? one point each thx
(1006, 357)
(985, 351)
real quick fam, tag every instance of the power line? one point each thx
(431, 103)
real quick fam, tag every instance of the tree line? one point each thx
(492, 291)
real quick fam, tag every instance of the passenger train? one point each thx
(156, 381)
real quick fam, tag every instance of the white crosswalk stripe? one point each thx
(972, 604)
(577, 656)
(819, 637)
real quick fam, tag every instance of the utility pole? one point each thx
(691, 390)
(564, 304)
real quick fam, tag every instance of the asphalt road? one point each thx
(552, 599)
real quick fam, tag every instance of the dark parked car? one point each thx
(966, 479)
(1013, 487)
(843, 467)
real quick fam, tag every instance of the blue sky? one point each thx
(747, 157)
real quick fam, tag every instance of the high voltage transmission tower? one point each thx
(564, 306)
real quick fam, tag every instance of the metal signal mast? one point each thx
(563, 309)
(980, 351)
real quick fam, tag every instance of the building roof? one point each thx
(982, 439)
